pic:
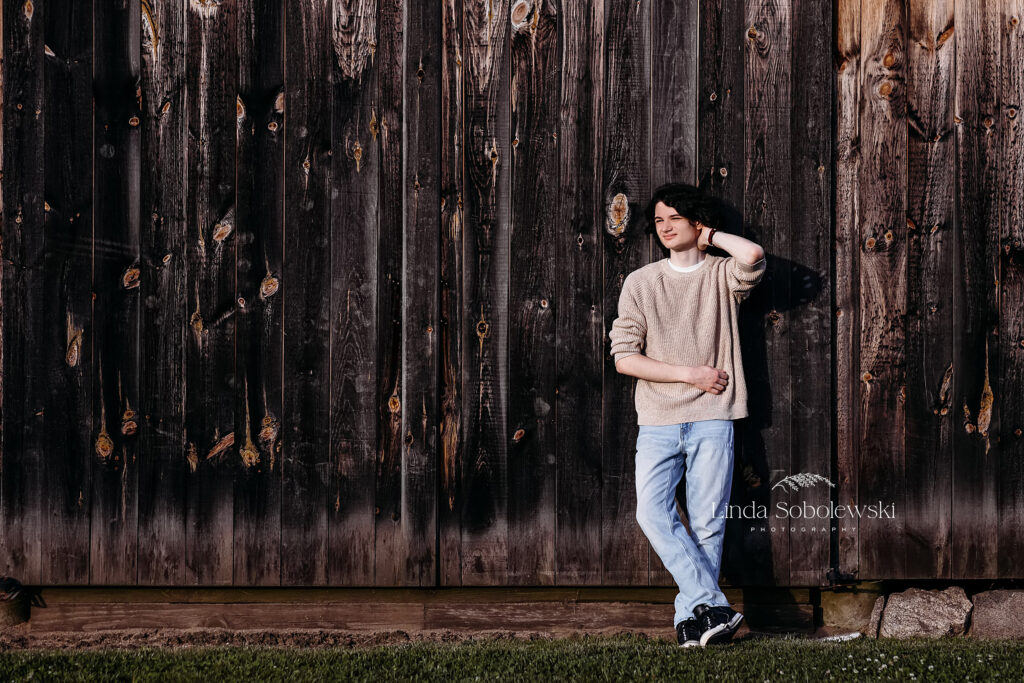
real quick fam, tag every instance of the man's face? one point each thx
(675, 232)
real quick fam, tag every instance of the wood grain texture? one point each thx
(389, 554)
(625, 189)
(165, 314)
(487, 164)
(211, 442)
(883, 284)
(65, 364)
(533, 306)
(23, 288)
(259, 203)
(768, 220)
(674, 64)
(1007, 372)
(846, 538)
(355, 194)
(420, 352)
(450, 339)
(931, 187)
(580, 340)
(811, 320)
(305, 436)
(116, 283)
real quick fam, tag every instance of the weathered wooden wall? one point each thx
(320, 296)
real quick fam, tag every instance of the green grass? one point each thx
(622, 658)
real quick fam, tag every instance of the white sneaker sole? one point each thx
(722, 632)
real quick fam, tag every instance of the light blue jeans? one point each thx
(703, 450)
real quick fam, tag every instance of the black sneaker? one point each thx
(688, 633)
(717, 623)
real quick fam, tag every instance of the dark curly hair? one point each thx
(689, 200)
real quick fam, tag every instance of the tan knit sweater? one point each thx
(686, 318)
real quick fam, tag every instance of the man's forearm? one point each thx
(643, 367)
(739, 247)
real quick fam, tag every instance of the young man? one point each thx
(677, 333)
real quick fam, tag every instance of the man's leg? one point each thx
(659, 468)
(708, 445)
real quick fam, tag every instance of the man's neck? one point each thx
(687, 257)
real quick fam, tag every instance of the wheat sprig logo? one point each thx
(803, 480)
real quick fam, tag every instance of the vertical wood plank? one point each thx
(307, 271)
(579, 322)
(674, 56)
(810, 324)
(846, 539)
(625, 187)
(259, 201)
(389, 555)
(1008, 418)
(162, 469)
(117, 273)
(747, 553)
(931, 186)
(450, 273)
(485, 293)
(768, 214)
(212, 82)
(355, 132)
(23, 285)
(533, 306)
(883, 284)
(67, 295)
(420, 414)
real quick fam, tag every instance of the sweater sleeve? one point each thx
(742, 276)
(629, 331)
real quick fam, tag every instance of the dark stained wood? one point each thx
(211, 442)
(625, 189)
(930, 249)
(389, 555)
(355, 135)
(305, 437)
(810, 323)
(116, 272)
(452, 320)
(66, 348)
(259, 203)
(487, 165)
(23, 289)
(1006, 368)
(747, 554)
(768, 219)
(580, 340)
(533, 306)
(421, 185)
(846, 538)
(882, 239)
(164, 313)
(675, 51)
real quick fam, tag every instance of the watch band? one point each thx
(711, 237)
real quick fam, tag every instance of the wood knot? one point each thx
(104, 445)
(544, 303)
(1017, 432)
(870, 243)
(618, 214)
(250, 456)
(239, 107)
(518, 436)
(889, 59)
(272, 126)
(394, 405)
(866, 377)
(723, 171)
(752, 33)
(128, 424)
(885, 89)
(888, 235)
(268, 432)
(1011, 113)
(774, 317)
(221, 231)
(133, 121)
(197, 322)
(713, 96)
(268, 287)
(167, 259)
(481, 329)
(130, 279)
